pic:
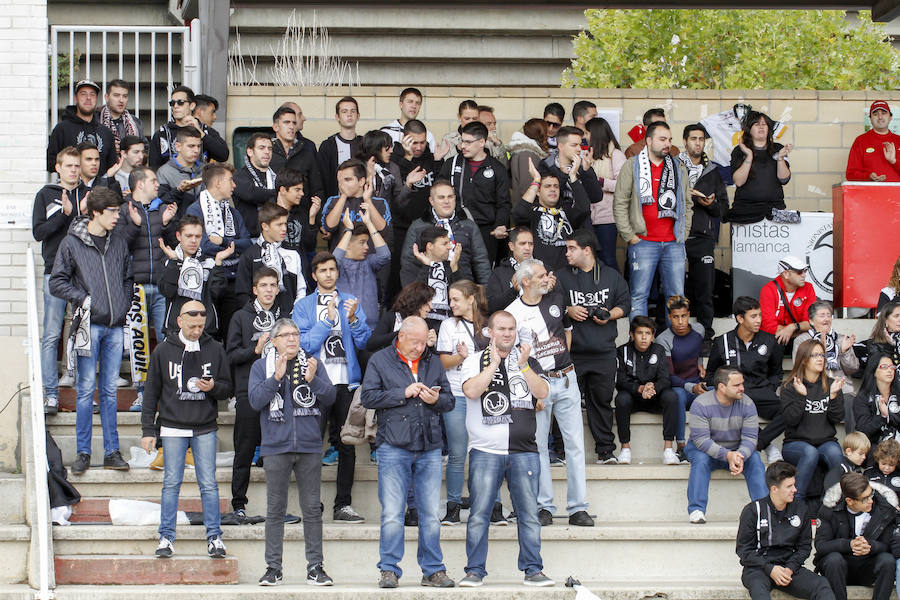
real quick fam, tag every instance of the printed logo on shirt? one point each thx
(580, 298)
(653, 359)
(794, 521)
(554, 311)
(798, 302)
(894, 406)
(762, 350)
(457, 169)
(870, 150)
(733, 353)
(816, 407)
(192, 384)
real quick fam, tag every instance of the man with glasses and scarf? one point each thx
(785, 301)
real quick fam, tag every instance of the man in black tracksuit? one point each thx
(287, 152)
(710, 205)
(254, 184)
(162, 146)
(482, 186)
(853, 540)
(774, 540)
(79, 123)
(501, 291)
(589, 284)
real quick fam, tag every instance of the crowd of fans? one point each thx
(467, 291)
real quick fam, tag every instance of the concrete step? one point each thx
(15, 540)
(96, 510)
(676, 550)
(12, 490)
(144, 570)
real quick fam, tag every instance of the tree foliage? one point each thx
(732, 49)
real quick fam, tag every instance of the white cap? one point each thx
(792, 263)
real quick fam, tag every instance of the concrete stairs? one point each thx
(15, 532)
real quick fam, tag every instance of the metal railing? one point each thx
(113, 64)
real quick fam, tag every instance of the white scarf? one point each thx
(270, 177)
(79, 343)
(217, 217)
(282, 260)
(194, 272)
(667, 197)
(302, 397)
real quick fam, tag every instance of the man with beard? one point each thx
(79, 124)
(254, 184)
(114, 113)
(570, 163)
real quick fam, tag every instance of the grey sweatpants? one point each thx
(307, 468)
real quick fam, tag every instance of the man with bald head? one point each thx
(408, 389)
(189, 374)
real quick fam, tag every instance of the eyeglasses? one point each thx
(466, 142)
(888, 367)
(178, 102)
(552, 124)
(289, 336)
(865, 499)
(817, 355)
(799, 271)
(194, 313)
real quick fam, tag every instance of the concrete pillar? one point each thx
(214, 24)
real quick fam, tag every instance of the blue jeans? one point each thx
(607, 236)
(106, 348)
(54, 316)
(564, 401)
(174, 450)
(806, 458)
(702, 465)
(685, 399)
(643, 258)
(457, 442)
(486, 474)
(156, 309)
(395, 470)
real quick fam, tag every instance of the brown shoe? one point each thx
(158, 463)
(388, 580)
(438, 579)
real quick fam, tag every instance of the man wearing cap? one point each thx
(873, 156)
(785, 301)
(80, 124)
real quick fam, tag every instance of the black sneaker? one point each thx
(411, 519)
(388, 579)
(607, 458)
(471, 580)
(439, 580)
(240, 515)
(215, 547)
(452, 516)
(545, 518)
(272, 577)
(347, 515)
(115, 462)
(165, 548)
(581, 519)
(556, 461)
(682, 457)
(465, 504)
(82, 463)
(497, 517)
(316, 575)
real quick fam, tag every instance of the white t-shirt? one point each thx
(395, 130)
(452, 332)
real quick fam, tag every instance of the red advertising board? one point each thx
(866, 240)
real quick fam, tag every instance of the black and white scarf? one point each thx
(270, 253)
(667, 195)
(831, 347)
(694, 171)
(506, 392)
(333, 352)
(193, 274)
(439, 281)
(265, 319)
(217, 217)
(128, 123)
(79, 342)
(303, 400)
(270, 177)
(191, 371)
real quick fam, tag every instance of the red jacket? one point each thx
(773, 312)
(867, 156)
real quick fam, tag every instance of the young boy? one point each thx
(188, 275)
(884, 470)
(303, 222)
(267, 251)
(439, 269)
(855, 445)
(643, 383)
(357, 267)
(355, 192)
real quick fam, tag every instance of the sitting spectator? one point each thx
(414, 300)
(892, 290)
(758, 356)
(853, 539)
(291, 443)
(884, 468)
(855, 447)
(724, 429)
(774, 540)
(812, 405)
(873, 155)
(607, 160)
(180, 177)
(358, 269)
(760, 171)
(188, 376)
(642, 383)
(885, 337)
(355, 196)
(876, 408)
(530, 144)
(441, 262)
(785, 301)
(501, 287)
(182, 103)
(683, 342)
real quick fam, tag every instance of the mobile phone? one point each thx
(195, 181)
(436, 388)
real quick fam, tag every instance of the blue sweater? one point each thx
(357, 277)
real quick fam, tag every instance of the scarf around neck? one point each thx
(294, 384)
(128, 121)
(191, 371)
(667, 195)
(217, 217)
(270, 177)
(193, 274)
(506, 392)
(694, 171)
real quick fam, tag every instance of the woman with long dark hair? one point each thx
(885, 337)
(760, 171)
(413, 300)
(375, 151)
(608, 160)
(876, 406)
(531, 143)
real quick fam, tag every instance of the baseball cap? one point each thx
(880, 105)
(792, 263)
(87, 83)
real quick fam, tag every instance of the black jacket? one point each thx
(833, 476)
(500, 290)
(473, 264)
(82, 269)
(836, 527)
(250, 261)
(760, 363)
(891, 480)
(385, 331)
(767, 538)
(49, 224)
(161, 389)
(102, 181)
(634, 368)
(407, 423)
(550, 231)
(485, 194)
(162, 146)
(869, 419)
(241, 345)
(569, 196)
(147, 257)
(410, 204)
(248, 197)
(810, 418)
(302, 159)
(72, 130)
(706, 219)
(327, 157)
(215, 285)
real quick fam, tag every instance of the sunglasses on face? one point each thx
(194, 313)
(551, 123)
(178, 102)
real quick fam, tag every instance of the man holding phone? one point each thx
(180, 177)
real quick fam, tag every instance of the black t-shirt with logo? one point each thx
(543, 326)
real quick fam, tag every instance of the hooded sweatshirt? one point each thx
(49, 223)
(410, 204)
(72, 130)
(810, 417)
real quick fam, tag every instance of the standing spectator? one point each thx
(181, 176)
(188, 377)
(205, 108)
(876, 407)
(182, 104)
(468, 113)
(813, 405)
(543, 325)
(414, 300)
(114, 113)
(607, 160)
(306, 143)
(355, 196)
(289, 152)
(358, 269)
(530, 143)
(92, 270)
(482, 185)
(757, 355)
(90, 169)
(55, 205)
(409, 391)
(440, 268)
(785, 301)
(582, 112)
(873, 155)
(709, 201)
(642, 382)
(652, 214)
(410, 104)
(570, 163)
(502, 288)
(337, 149)
(291, 443)
(724, 429)
(506, 388)
(254, 184)
(79, 123)
(651, 116)
(598, 296)
(132, 153)
(374, 150)
(760, 171)
(773, 548)
(302, 226)
(498, 148)
(333, 328)
(554, 116)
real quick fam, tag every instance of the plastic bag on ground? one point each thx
(140, 459)
(138, 512)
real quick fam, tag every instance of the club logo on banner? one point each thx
(756, 249)
(138, 338)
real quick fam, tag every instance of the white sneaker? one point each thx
(624, 457)
(697, 517)
(773, 454)
(670, 458)
(66, 380)
(122, 382)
